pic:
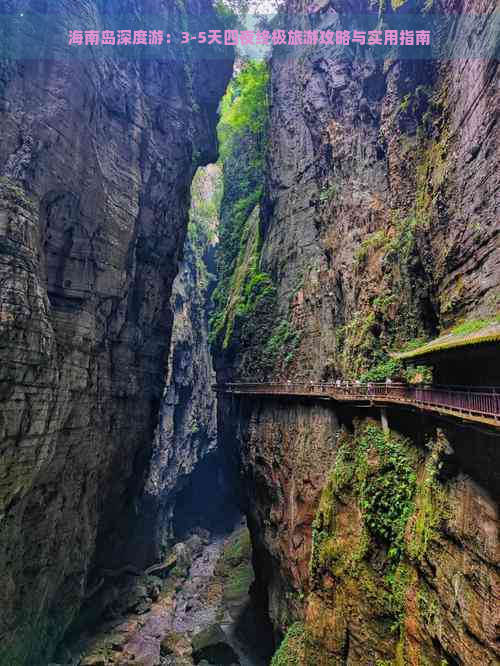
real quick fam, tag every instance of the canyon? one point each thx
(347, 221)
(96, 162)
(375, 535)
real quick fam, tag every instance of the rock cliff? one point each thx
(380, 211)
(96, 162)
(187, 485)
(371, 548)
(378, 228)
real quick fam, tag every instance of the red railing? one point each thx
(478, 403)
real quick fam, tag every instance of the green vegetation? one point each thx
(16, 194)
(474, 325)
(237, 550)
(398, 580)
(386, 496)
(328, 193)
(206, 192)
(431, 503)
(384, 490)
(246, 309)
(418, 100)
(365, 345)
(387, 368)
(390, 367)
(248, 286)
(244, 290)
(372, 242)
(204, 213)
(235, 567)
(400, 515)
(457, 337)
(418, 374)
(284, 340)
(402, 244)
(292, 648)
(231, 8)
(414, 344)
(238, 582)
(244, 110)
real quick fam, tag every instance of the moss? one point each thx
(236, 551)
(12, 190)
(392, 311)
(383, 302)
(328, 193)
(284, 341)
(203, 221)
(373, 241)
(234, 566)
(291, 652)
(432, 506)
(398, 580)
(431, 174)
(468, 333)
(238, 582)
(376, 474)
(242, 133)
(248, 285)
(429, 609)
(245, 106)
(386, 493)
(410, 345)
(474, 325)
(356, 342)
(394, 308)
(374, 590)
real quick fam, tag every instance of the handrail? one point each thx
(474, 404)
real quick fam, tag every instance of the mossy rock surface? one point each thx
(176, 644)
(211, 645)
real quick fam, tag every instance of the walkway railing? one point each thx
(475, 404)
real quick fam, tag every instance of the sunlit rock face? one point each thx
(379, 226)
(96, 161)
(188, 485)
(380, 220)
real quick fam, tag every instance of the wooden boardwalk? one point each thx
(475, 404)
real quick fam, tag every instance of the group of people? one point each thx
(345, 384)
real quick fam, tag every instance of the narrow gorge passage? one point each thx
(249, 333)
(195, 601)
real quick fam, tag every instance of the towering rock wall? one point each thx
(370, 548)
(96, 161)
(380, 218)
(379, 226)
(186, 473)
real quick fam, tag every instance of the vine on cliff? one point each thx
(245, 298)
(380, 510)
(380, 471)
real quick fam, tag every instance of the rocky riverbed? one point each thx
(200, 613)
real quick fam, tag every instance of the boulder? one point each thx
(211, 645)
(177, 644)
